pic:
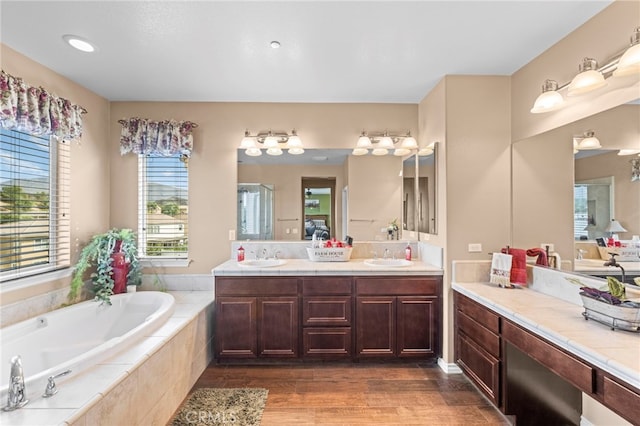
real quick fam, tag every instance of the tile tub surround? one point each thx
(23, 305)
(142, 385)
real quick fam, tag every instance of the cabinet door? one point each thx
(326, 311)
(326, 342)
(416, 326)
(480, 367)
(278, 327)
(375, 326)
(236, 335)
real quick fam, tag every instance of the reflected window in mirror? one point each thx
(593, 203)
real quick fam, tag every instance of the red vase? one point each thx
(120, 269)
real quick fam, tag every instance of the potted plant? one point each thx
(115, 257)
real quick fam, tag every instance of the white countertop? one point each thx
(616, 352)
(596, 266)
(307, 267)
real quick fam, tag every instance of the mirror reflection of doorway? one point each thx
(318, 207)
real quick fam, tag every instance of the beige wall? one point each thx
(89, 157)
(212, 169)
(474, 158)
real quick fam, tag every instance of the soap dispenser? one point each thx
(407, 252)
(240, 256)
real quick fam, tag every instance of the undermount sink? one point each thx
(393, 263)
(262, 263)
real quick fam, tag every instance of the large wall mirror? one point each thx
(366, 195)
(588, 187)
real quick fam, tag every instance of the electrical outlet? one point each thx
(232, 234)
(544, 246)
(287, 231)
(475, 248)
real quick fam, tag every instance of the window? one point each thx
(163, 206)
(34, 204)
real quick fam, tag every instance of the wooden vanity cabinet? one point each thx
(327, 308)
(327, 317)
(257, 318)
(484, 341)
(397, 317)
(477, 349)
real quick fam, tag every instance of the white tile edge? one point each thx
(449, 367)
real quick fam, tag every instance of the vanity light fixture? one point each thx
(549, 99)
(381, 142)
(591, 77)
(589, 141)
(274, 142)
(629, 152)
(630, 60)
(588, 80)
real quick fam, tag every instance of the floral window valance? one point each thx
(33, 110)
(167, 137)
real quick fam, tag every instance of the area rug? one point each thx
(208, 406)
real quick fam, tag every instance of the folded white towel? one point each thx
(501, 270)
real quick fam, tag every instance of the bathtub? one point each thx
(79, 336)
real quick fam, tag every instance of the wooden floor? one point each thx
(362, 394)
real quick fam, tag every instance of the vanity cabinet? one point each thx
(397, 317)
(257, 318)
(478, 345)
(520, 371)
(327, 317)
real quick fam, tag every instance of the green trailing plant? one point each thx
(98, 254)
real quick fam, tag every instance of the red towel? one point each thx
(542, 256)
(518, 265)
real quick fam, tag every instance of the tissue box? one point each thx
(329, 254)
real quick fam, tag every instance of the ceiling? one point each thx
(334, 51)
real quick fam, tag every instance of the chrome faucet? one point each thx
(17, 396)
(386, 253)
(612, 262)
(51, 388)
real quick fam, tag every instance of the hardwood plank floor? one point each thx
(359, 394)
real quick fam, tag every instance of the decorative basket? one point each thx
(615, 316)
(329, 254)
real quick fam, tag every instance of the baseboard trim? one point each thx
(449, 368)
(585, 422)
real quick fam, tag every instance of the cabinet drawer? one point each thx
(326, 286)
(318, 310)
(327, 342)
(482, 336)
(398, 286)
(622, 400)
(267, 286)
(561, 363)
(478, 312)
(480, 366)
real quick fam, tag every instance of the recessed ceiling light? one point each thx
(78, 43)
(275, 44)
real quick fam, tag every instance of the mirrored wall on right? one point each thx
(570, 183)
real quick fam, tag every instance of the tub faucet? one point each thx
(612, 262)
(17, 396)
(51, 388)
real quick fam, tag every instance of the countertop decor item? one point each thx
(243, 406)
(114, 255)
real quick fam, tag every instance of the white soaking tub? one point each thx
(78, 336)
